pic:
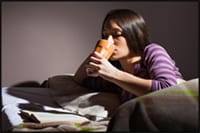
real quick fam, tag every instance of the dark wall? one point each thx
(42, 39)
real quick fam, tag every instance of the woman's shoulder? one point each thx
(153, 51)
(153, 46)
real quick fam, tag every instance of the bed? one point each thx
(100, 111)
(65, 97)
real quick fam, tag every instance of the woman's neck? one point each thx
(128, 64)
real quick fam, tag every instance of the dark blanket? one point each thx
(70, 95)
(172, 109)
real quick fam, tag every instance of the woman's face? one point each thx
(121, 47)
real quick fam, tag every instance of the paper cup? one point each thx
(105, 48)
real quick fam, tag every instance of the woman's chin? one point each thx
(112, 58)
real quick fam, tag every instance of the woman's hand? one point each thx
(99, 66)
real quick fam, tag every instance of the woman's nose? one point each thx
(110, 39)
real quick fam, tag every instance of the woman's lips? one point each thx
(115, 51)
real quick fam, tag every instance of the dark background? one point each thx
(43, 39)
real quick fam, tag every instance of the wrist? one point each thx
(116, 75)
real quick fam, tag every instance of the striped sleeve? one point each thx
(160, 66)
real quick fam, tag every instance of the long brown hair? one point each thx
(133, 26)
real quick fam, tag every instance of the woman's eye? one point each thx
(116, 35)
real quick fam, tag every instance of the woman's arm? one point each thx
(162, 71)
(81, 72)
(126, 81)
(133, 84)
(161, 67)
(107, 71)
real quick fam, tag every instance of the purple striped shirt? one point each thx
(156, 65)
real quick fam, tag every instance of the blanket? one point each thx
(171, 109)
(60, 126)
(45, 121)
(74, 97)
(91, 110)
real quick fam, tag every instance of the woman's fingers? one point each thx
(95, 60)
(97, 55)
(93, 66)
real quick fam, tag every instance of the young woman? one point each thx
(136, 67)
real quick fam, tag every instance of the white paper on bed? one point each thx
(52, 117)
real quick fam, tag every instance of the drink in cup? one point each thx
(105, 47)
